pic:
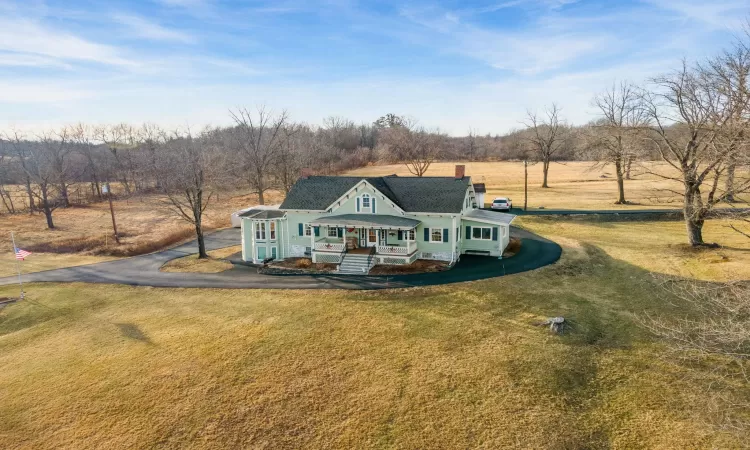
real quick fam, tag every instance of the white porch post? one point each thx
(254, 249)
(453, 240)
(312, 242)
(288, 237)
(243, 230)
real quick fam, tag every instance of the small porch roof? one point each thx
(482, 215)
(263, 214)
(367, 220)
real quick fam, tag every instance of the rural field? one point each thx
(573, 184)
(92, 366)
(83, 234)
(464, 365)
(145, 223)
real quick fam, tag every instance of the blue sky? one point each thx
(451, 64)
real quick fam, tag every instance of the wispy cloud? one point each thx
(140, 27)
(25, 60)
(28, 37)
(525, 51)
(719, 14)
(529, 53)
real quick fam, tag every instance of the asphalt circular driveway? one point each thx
(535, 252)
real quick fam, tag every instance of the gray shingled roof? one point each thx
(492, 216)
(263, 214)
(367, 220)
(412, 194)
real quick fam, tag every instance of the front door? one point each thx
(372, 237)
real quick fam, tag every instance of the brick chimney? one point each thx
(305, 173)
(460, 171)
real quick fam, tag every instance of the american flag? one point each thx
(21, 254)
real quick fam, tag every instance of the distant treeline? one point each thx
(259, 140)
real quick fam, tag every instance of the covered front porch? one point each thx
(389, 239)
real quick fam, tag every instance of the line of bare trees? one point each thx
(696, 119)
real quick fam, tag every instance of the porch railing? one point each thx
(325, 246)
(407, 249)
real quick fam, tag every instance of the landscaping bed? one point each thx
(418, 266)
(514, 246)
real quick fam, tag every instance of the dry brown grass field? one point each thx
(145, 224)
(655, 246)
(459, 366)
(573, 185)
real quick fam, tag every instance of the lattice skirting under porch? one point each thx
(328, 258)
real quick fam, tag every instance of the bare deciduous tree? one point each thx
(614, 138)
(19, 149)
(730, 74)
(413, 145)
(390, 120)
(84, 138)
(299, 145)
(547, 136)
(119, 139)
(694, 114)
(41, 168)
(151, 137)
(190, 168)
(58, 149)
(259, 139)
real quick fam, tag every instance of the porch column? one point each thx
(254, 249)
(453, 240)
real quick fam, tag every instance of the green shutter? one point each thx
(317, 231)
(373, 205)
(427, 234)
(301, 230)
(494, 233)
(400, 235)
(468, 232)
(445, 234)
(357, 204)
(341, 232)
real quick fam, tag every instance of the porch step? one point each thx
(356, 264)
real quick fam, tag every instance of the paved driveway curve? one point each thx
(144, 270)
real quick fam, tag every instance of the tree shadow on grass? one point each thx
(132, 331)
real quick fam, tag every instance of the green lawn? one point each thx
(94, 366)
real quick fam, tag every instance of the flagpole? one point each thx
(18, 264)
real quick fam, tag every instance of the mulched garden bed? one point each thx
(514, 246)
(418, 266)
